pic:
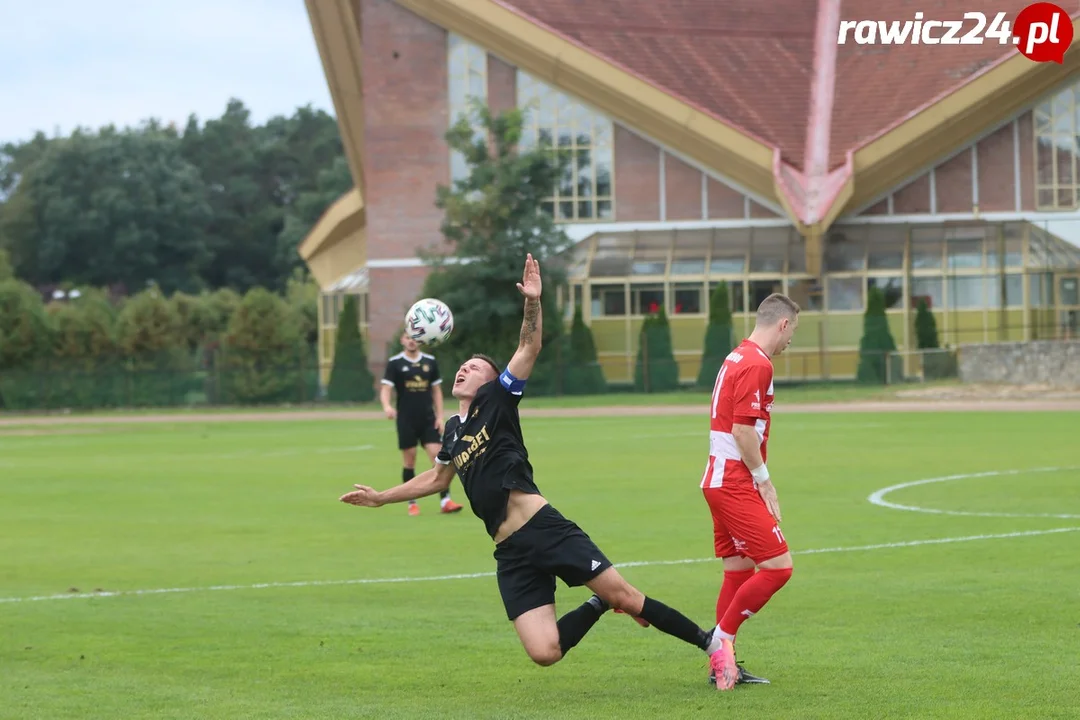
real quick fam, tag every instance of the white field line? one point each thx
(469, 576)
(240, 454)
(878, 497)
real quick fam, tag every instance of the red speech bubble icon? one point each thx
(1043, 32)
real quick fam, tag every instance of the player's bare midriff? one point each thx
(520, 507)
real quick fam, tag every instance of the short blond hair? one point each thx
(775, 308)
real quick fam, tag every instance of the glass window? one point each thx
(649, 261)
(768, 249)
(336, 303)
(648, 267)
(892, 287)
(608, 300)
(1014, 248)
(687, 300)
(327, 309)
(808, 293)
(646, 299)
(690, 249)
(929, 289)
(687, 266)
(761, 289)
(926, 255)
(886, 247)
(1005, 290)
(467, 74)
(965, 253)
(1068, 291)
(845, 294)
(886, 259)
(926, 248)
(734, 265)
(796, 254)
(1014, 290)
(967, 292)
(729, 251)
(585, 192)
(1038, 254)
(1056, 133)
(1036, 291)
(845, 251)
(612, 256)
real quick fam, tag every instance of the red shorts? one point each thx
(742, 524)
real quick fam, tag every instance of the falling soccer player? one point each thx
(534, 542)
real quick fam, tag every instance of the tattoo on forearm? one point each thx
(528, 325)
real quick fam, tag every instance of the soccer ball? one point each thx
(429, 322)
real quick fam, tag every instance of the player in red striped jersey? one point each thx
(736, 483)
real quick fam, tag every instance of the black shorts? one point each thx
(546, 547)
(416, 429)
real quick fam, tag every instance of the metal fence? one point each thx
(174, 380)
(223, 384)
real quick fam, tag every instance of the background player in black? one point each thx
(534, 542)
(414, 376)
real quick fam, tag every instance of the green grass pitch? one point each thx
(965, 628)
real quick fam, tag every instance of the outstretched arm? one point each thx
(532, 326)
(426, 483)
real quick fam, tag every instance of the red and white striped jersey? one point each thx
(743, 394)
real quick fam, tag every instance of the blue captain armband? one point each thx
(511, 383)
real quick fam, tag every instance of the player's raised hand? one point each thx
(362, 496)
(768, 493)
(530, 279)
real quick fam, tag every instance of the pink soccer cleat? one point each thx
(722, 663)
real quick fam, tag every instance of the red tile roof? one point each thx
(878, 86)
(750, 63)
(746, 62)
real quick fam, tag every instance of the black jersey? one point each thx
(413, 381)
(488, 453)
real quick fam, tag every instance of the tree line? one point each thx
(218, 204)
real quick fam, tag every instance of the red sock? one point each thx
(752, 596)
(733, 580)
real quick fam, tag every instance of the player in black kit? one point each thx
(414, 377)
(534, 543)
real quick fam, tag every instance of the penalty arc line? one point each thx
(470, 576)
(878, 496)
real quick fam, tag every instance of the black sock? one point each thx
(408, 474)
(574, 624)
(673, 622)
(443, 494)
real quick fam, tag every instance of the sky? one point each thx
(70, 63)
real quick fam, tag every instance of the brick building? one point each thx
(733, 141)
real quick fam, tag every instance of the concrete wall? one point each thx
(1047, 362)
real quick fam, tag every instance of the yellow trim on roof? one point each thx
(616, 92)
(343, 218)
(337, 35)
